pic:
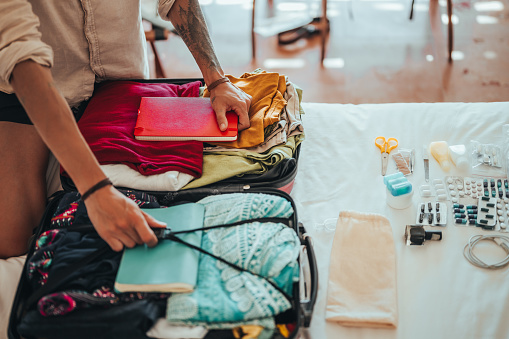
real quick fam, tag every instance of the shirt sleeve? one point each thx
(164, 8)
(20, 39)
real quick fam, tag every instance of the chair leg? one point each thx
(159, 68)
(324, 30)
(253, 42)
(450, 33)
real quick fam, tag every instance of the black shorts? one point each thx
(11, 110)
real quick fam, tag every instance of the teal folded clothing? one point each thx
(223, 293)
(235, 207)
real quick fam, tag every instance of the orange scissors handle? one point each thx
(392, 143)
(380, 143)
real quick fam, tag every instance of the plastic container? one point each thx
(440, 151)
(399, 202)
(397, 175)
(459, 156)
(399, 191)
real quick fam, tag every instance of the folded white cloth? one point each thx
(124, 176)
(164, 330)
(362, 274)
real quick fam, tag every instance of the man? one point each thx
(51, 54)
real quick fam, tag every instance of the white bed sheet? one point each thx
(440, 295)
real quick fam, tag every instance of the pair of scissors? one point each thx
(385, 146)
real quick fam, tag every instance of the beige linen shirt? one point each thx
(83, 41)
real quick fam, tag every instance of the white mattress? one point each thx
(440, 294)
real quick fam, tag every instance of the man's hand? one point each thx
(228, 97)
(119, 221)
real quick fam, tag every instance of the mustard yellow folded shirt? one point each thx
(267, 102)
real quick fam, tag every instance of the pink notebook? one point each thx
(181, 118)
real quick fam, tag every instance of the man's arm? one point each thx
(187, 18)
(117, 219)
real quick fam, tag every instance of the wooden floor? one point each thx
(374, 54)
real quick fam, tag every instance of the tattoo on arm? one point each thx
(192, 28)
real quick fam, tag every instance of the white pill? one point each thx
(462, 194)
(425, 187)
(500, 212)
(454, 199)
(426, 193)
(502, 226)
(442, 197)
(437, 181)
(468, 192)
(501, 219)
(499, 205)
(467, 183)
(479, 183)
(479, 189)
(453, 193)
(460, 187)
(506, 200)
(439, 186)
(442, 191)
(449, 180)
(474, 195)
(451, 187)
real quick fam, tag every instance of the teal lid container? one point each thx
(400, 188)
(393, 176)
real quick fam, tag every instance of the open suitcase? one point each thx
(276, 182)
(78, 323)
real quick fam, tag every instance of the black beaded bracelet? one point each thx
(99, 185)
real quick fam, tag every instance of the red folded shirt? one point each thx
(108, 127)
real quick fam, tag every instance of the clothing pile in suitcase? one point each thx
(250, 262)
(269, 144)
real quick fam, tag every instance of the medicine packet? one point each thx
(487, 159)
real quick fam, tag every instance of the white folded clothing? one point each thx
(124, 176)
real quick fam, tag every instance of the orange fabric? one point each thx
(267, 103)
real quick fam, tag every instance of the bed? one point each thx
(440, 294)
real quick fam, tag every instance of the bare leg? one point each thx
(23, 182)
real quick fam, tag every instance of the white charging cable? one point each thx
(500, 240)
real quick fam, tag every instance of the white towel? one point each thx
(362, 274)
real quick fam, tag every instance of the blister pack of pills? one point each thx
(468, 194)
(431, 213)
(436, 188)
(457, 188)
(487, 213)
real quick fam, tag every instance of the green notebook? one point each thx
(169, 266)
